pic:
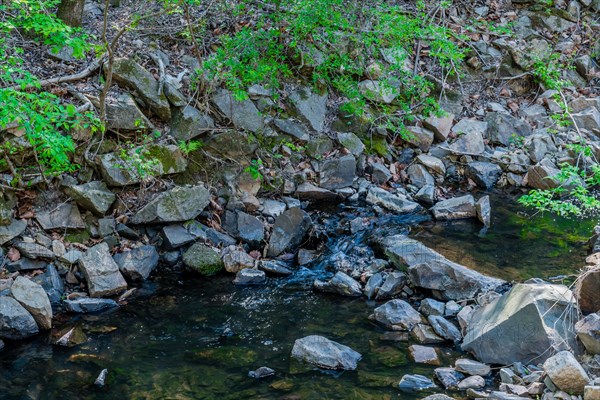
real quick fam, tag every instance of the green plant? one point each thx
(254, 169)
(189, 146)
(547, 72)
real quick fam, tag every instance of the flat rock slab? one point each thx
(339, 284)
(11, 231)
(85, 305)
(15, 321)
(176, 205)
(455, 208)
(391, 201)
(93, 196)
(242, 113)
(325, 353)
(65, 216)
(101, 272)
(35, 300)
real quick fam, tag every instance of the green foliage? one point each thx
(189, 146)
(254, 169)
(547, 72)
(138, 161)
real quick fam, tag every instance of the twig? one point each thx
(161, 69)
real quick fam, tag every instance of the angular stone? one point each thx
(440, 126)
(448, 377)
(444, 328)
(424, 354)
(393, 285)
(415, 383)
(468, 126)
(325, 353)
(373, 285)
(566, 372)
(65, 216)
(472, 367)
(235, 260)
(468, 144)
(352, 142)
(426, 195)
(484, 174)
(433, 164)
(484, 210)
(588, 331)
(250, 276)
(338, 173)
(34, 251)
(471, 382)
(380, 174)
(310, 107)
(588, 119)
(340, 284)
(11, 231)
(122, 114)
(15, 321)
(425, 334)
(243, 114)
(586, 290)
(397, 315)
(419, 176)
(541, 175)
(591, 392)
(188, 123)
(455, 208)
(203, 259)
(181, 234)
(419, 137)
(93, 196)
(86, 305)
(133, 76)
(137, 263)
(376, 91)
(293, 129)
(52, 283)
(178, 204)
(390, 201)
(274, 267)
(101, 272)
(503, 128)
(310, 192)
(26, 264)
(531, 321)
(432, 307)
(35, 300)
(289, 231)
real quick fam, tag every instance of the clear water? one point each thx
(169, 343)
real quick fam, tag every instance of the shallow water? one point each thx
(171, 341)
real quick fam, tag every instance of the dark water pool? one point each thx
(171, 343)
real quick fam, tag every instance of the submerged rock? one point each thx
(415, 383)
(340, 284)
(325, 353)
(261, 372)
(15, 321)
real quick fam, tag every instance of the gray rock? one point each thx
(181, 234)
(588, 331)
(377, 92)
(122, 114)
(35, 300)
(178, 204)
(352, 142)
(15, 321)
(419, 176)
(540, 146)
(424, 354)
(101, 272)
(380, 174)
(310, 192)
(484, 174)
(419, 137)
(503, 128)
(455, 208)
(84, 305)
(293, 129)
(397, 315)
(289, 231)
(591, 392)
(34, 251)
(273, 208)
(188, 123)
(373, 285)
(133, 76)
(274, 267)
(484, 210)
(71, 257)
(472, 367)
(52, 283)
(471, 382)
(448, 377)
(470, 144)
(444, 328)
(390, 201)
(261, 372)
(65, 216)
(542, 175)
(235, 260)
(440, 126)
(203, 259)
(426, 335)
(433, 164)
(588, 119)
(438, 397)
(467, 126)
(566, 373)
(26, 264)
(231, 144)
(325, 353)
(432, 307)
(338, 173)
(415, 383)
(426, 195)
(250, 229)
(310, 107)
(250, 276)
(430, 270)
(530, 322)
(586, 290)
(11, 231)
(393, 285)
(137, 264)
(340, 284)
(93, 196)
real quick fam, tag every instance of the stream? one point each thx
(185, 337)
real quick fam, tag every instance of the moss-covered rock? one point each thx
(203, 259)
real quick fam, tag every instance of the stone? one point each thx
(424, 354)
(35, 300)
(591, 392)
(65, 216)
(179, 235)
(444, 328)
(539, 146)
(503, 128)
(530, 322)
(425, 334)
(415, 383)
(262, 372)
(250, 276)
(188, 123)
(34, 251)
(274, 267)
(426, 195)
(352, 142)
(203, 259)
(432, 307)
(11, 231)
(181, 203)
(122, 114)
(380, 174)
(397, 315)
(310, 192)
(249, 229)
(84, 305)
(392, 287)
(243, 114)
(101, 272)
(134, 77)
(390, 201)
(234, 260)
(289, 231)
(588, 331)
(52, 284)
(542, 175)
(325, 353)
(26, 264)
(310, 107)
(472, 367)
(588, 119)
(232, 144)
(293, 129)
(484, 210)
(373, 284)
(438, 396)
(338, 173)
(339, 284)
(455, 208)
(430, 270)
(118, 170)
(566, 372)
(273, 208)
(452, 308)
(471, 382)
(468, 144)
(93, 196)
(419, 176)
(467, 126)
(448, 377)
(433, 164)
(137, 264)
(377, 92)
(586, 290)
(440, 126)
(419, 137)
(15, 321)
(484, 174)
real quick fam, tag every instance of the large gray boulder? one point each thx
(397, 315)
(242, 113)
(289, 230)
(455, 208)
(468, 144)
(35, 300)
(137, 264)
(325, 353)
(101, 272)
(531, 322)
(122, 114)
(65, 216)
(588, 331)
(484, 174)
(176, 205)
(430, 270)
(93, 196)
(15, 320)
(133, 76)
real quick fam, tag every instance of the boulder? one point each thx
(338, 173)
(310, 192)
(390, 201)
(455, 208)
(419, 176)
(588, 119)
(468, 144)
(430, 270)
(34, 251)
(325, 353)
(250, 276)
(310, 107)
(440, 126)
(471, 382)
(433, 164)
(432, 307)
(274, 267)
(137, 264)
(448, 377)
(234, 260)
(84, 305)
(122, 114)
(392, 287)
(242, 113)
(352, 142)
(397, 315)
(530, 322)
(484, 174)
(444, 328)
(380, 174)
(293, 129)
(541, 175)
(93, 196)
(588, 331)
(245, 227)
(484, 210)
(566, 373)
(503, 128)
(15, 321)
(203, 259)
(373, 284)
(35, 300)
(101, 272)
(472, 367)
(178, 204)
(415, 383)
(424, 354)
(376, 91)
(65, 216)
(134, 77)
(188, 123)
(339, 284)
(419, 137)
(586, 290)
(178, 235)
(12, 230)
(289, 231)
(52, 283)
